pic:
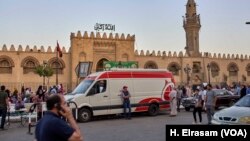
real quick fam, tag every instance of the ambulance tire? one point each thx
(153, 110)
(84, 115)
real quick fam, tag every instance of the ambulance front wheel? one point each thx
(84, 115)
(153, 110)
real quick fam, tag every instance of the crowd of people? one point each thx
(51, 126)
(204, 96)
(26, 95)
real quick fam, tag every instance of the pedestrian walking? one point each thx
(4, 106)
(198, 106)
(173, 102)
(179, 97)
(210, 101)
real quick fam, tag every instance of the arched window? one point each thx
(196, 67)
(214, 69)
(6, 64)
(248, 70)
(174, 68)
(100, 65)
(150, 65)
(233, 69)
(57, 65)
(29, 64)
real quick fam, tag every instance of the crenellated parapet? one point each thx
(153, 53)
(225, 56)
(104, 35)
(12, 48)
(169, 54)
(158, 54)
(20, 48)
(174, 54)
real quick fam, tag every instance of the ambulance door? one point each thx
(99, 98)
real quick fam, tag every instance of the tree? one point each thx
(44, 71)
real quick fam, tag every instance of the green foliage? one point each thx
(44, 71)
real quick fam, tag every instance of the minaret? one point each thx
(191, 24)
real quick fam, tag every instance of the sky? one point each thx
(156, 24)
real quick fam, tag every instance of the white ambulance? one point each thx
(99, 93)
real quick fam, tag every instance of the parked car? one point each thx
(224, 98)
(239, 113)
(188, 103)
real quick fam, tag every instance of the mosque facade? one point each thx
(17, 63)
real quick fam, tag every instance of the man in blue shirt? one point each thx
(125, 94)
(52, 128)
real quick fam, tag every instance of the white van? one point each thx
(149, 89)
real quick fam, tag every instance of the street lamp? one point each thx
(208, 71)
(187, 70)
(44, 67)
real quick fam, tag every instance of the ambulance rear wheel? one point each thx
(153, 110)
(84, 115)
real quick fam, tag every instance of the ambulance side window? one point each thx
(82, 87)
(99, 87)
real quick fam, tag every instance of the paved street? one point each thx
(140, 128)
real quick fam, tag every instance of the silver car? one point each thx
(239, 113)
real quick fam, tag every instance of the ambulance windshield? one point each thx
(82, 87)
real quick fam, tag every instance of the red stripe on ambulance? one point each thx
(135, 75)
(146, 101)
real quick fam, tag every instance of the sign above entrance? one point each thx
(99, 26)
(112, 64)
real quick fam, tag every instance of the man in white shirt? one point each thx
(102, 86)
